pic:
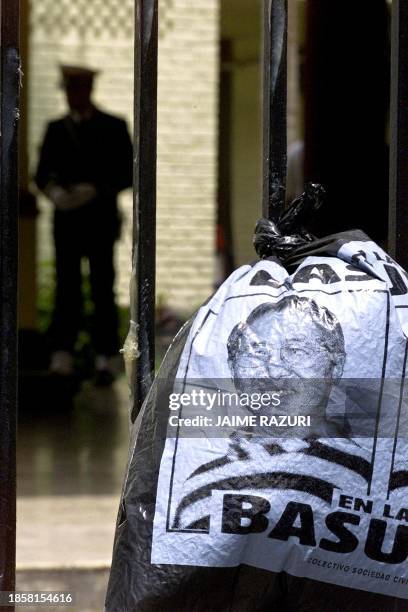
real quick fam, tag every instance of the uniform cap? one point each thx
(76, 74)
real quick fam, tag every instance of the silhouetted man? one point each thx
(85, 161)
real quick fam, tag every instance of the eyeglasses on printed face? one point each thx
(290, 355)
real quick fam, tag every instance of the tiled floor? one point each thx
(81, 452)
(69, 476)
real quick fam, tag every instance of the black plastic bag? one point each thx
(242, 517)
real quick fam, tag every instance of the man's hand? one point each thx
(71, 198)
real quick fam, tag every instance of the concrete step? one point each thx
(64, 543)
(87, 584)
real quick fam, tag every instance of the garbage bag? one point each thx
(303, 499)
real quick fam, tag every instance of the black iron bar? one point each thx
(144, 204)
(9, 116)
(274, 107)
(398, 196)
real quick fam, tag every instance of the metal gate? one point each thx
(9, 115)
(144, 247)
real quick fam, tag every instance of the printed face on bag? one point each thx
(331, 506)
(282, 344)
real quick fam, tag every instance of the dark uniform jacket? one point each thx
(97, 151)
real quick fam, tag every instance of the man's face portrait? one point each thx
(280, 345)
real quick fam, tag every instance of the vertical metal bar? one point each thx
(144, 205)
(398, 195)
(224, 156)
(274, 107)
(9, 114)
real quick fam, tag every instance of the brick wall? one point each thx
(187, 155)
(99, 33)
(244, 31)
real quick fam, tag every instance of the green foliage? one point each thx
(45, 294)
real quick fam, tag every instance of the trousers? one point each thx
(82, 234)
